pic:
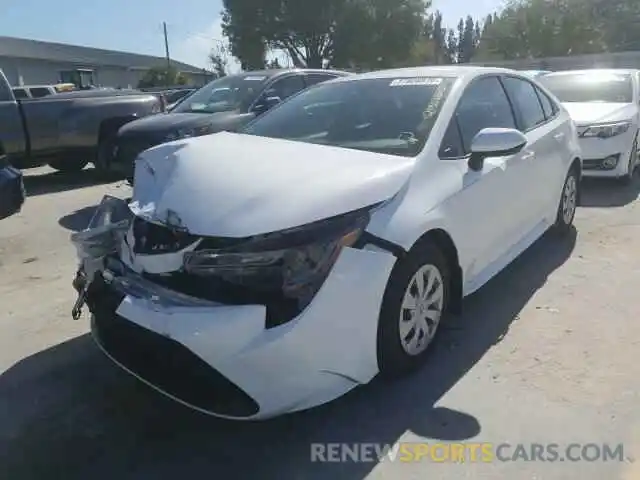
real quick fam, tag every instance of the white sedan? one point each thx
(272, 270)
(605, 104)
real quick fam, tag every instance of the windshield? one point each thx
(590, 87)
(223, 94)
(386, 115)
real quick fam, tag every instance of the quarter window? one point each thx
(451, 146)
(526, 102)
(483, 105)
(549, 107)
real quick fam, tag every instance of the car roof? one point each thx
(456, 71)
(593, 70)
(283, 71)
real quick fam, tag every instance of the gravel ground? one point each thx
(545, 353)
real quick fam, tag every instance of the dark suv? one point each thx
(226, 103)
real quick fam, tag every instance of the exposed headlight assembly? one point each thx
(606, 131)
(292, 263)
(188, 132)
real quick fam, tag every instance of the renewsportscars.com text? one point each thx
(467, 452)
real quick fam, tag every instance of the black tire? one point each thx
(104, 157)
(393, 359)
(564, 218)
(69, 165)
(628, 178)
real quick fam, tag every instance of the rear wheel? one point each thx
(68, 165)
(413, 306)
(568, 202)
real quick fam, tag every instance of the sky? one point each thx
(193, 26)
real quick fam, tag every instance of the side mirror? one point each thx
(495, 142)
(266, 103)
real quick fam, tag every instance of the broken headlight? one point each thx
(292, 263)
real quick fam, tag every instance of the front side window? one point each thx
(314, 78)
(483, 105)
(590, 87)
(224, 94)
(387, 115)
(526, 102)
(20, 93)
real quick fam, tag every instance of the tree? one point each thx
(550, 28)
(367, 33)
(219, 60)
(162, 76)
(246, 44)
(466, 40)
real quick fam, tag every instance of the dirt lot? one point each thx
(546, 353)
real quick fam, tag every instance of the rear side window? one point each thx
(19, 93)
(39, 92)
(526, 102)
(483, 105)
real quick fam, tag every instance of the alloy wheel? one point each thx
(569, 199)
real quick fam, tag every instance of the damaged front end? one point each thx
(138, 256)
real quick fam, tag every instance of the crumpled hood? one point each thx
(236, 185)
(588, 113)
(170, 122)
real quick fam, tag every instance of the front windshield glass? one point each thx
(223, 94)
(386, 115)
(590, 87)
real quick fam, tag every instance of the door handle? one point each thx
(529, 156)
(559, 136)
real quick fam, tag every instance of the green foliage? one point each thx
(342, 33)
(371, 34)
(162, 76)
(549, 28)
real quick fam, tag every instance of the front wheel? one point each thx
(68, 165)
(412, 309)
(568, 202)
(633, 160)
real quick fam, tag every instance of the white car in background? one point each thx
(274, 269)
(534, 73)
(605, 105)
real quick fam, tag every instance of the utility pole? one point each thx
(166, 51)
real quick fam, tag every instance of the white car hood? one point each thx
(235, 185)
(589, 113)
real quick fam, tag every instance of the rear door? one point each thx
(543, 159)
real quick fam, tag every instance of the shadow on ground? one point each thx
(67, 410)
(79, 219)
(53, 182)
(606, 192)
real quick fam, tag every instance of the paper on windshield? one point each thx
(254, 78)
(409, 82)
